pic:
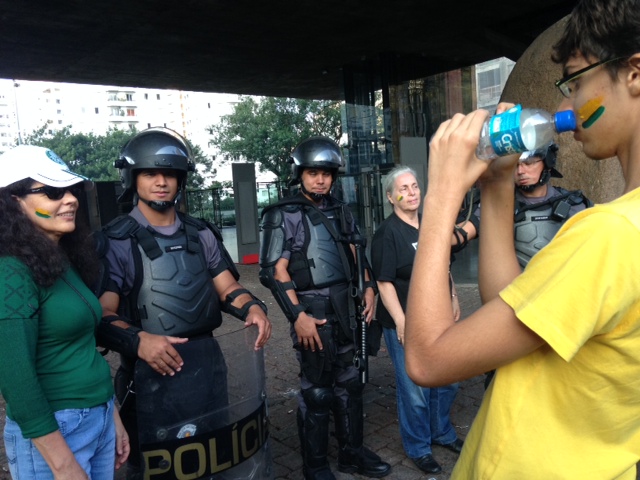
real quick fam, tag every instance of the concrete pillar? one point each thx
(246, 205)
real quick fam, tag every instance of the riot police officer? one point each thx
(540, 208)
(307, 262)
(168, 278)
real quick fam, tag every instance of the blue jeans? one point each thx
(89, 432)
(423, 413)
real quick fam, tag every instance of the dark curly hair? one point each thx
(601, 30)
(21, 238)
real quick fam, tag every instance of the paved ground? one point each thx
(381, 425)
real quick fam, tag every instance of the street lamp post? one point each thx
(15, 99)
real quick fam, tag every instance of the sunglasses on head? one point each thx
(56, 193)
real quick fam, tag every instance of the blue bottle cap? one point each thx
(565, 121)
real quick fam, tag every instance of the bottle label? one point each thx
(504, 132)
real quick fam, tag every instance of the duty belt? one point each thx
(201, 336)
(316, 305)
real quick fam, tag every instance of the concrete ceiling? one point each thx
(273, 48)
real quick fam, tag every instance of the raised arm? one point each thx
(438, 350)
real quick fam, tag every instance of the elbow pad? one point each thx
(279, 291)
(372, 279)
(461, 238)
(243, 311)
(122, 340)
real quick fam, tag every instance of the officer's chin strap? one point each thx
(316, 197)
(545, 176)
(156, 205)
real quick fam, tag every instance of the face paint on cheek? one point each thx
(590, 112)
(400, 197)
(42, 213)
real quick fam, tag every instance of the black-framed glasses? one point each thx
(56, 193)
(564, 84)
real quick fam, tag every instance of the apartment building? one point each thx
(26, 106)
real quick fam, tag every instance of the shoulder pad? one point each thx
(336, 201)
(266, 209)
(272, 217)
(288, 204)
(101, 243)
(577, 197)
(292, 207)
(121, 227)
(199, 223)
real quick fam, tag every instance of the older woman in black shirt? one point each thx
(423, 413)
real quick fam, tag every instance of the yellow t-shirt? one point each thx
(571, 409)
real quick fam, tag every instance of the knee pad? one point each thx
(353, 386)
(318, 398)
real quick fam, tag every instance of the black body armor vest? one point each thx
(176, 295)
(534, 230)
(321, 262)
(535, 225)
(173, 292)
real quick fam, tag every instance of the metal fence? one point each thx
(206, 204)
(217, 205)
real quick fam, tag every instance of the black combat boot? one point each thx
(322, 472)
(353, 456)
(363, 461)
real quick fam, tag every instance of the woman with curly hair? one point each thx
(61, 421)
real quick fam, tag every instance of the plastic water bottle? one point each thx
(520, 129)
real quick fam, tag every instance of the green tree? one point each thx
(93, 155)
(204, 169)
(266, 130)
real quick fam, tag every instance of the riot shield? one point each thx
(208, 421)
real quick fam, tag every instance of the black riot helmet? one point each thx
(154, 148)
(549, 157)
(315, 152)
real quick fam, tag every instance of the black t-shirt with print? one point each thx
(393, 251)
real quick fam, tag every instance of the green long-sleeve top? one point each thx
(48, 356)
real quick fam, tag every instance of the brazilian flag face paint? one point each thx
(590, 112)
(42, 213)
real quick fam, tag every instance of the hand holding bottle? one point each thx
(501, 168)
(453, 164)
(518, 129)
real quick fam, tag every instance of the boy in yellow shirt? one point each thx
(565, 334)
